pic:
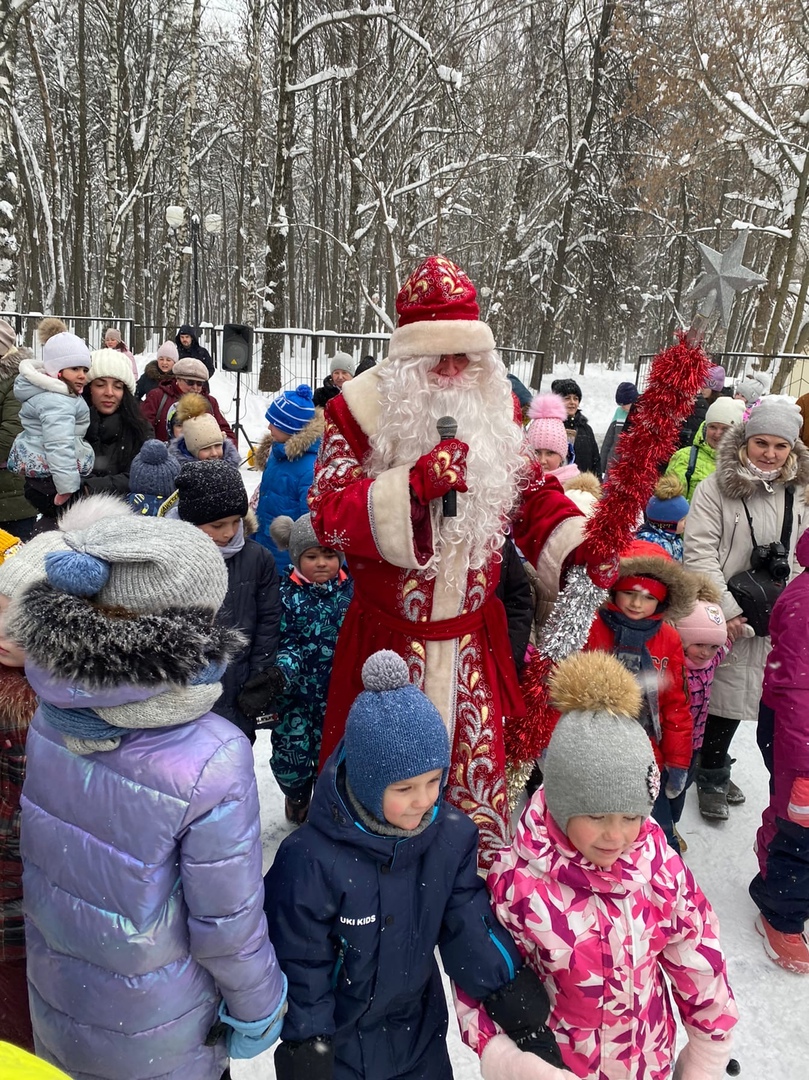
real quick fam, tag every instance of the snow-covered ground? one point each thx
(771, 1037)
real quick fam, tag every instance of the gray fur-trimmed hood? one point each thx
(736, 482)
(76, 641)
(682, 586)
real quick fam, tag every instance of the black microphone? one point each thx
(447, 427)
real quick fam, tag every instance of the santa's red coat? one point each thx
(454, 640)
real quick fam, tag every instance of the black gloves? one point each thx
(259, 693)
(521, 1008)
(310, 1060)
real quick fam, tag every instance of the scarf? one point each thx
(629, 646)
(86, 731)
(236, 543)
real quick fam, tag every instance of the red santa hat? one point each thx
(438, 313)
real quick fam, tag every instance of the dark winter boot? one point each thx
(712, 790)
(296, 806)
(735, 794)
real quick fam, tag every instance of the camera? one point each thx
(774, 558)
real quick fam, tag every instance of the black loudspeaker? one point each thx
(237, 347)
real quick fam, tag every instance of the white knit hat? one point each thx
(725, 410)
(111, 364)
(64, 351)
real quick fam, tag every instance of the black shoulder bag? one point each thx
(757, 589)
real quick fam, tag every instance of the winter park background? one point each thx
(566, 155)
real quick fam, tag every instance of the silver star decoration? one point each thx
(723, 276)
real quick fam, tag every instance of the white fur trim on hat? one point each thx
(111, 364)
(439, 337)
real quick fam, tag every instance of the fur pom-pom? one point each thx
(384, 670)
(190, 405)
(707, 590)
(594, 682)
(547, 407)
(153, 452)
(587, 482)
(87, 512)
(669, 486)
(281, 531)
(76, 572)
(48, 328)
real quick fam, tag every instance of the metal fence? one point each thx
(734, 363)
(305, 354)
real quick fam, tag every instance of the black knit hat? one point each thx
(209, 491)
(563, 387)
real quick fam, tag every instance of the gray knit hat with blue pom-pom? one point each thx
(393, 732)
(141, 564)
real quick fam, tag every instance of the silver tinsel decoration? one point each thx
(568, 625)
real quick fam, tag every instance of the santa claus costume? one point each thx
(424, 582)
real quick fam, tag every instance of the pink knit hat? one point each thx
(547, 429)
(704, 626)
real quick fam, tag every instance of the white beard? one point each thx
(480, 399)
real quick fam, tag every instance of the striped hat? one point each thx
(292, 410)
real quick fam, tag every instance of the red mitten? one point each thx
(798, 810)
(440, 471)
(602, 572)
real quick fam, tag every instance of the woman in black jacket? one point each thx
(117, 429)
(585, 448)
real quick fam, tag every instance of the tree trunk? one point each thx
(579, 155)
(275, 265)
(184, 170)
(10, 15)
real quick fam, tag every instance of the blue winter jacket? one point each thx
(54, 424)
(355, 918)
(288, 475)
(143, 896)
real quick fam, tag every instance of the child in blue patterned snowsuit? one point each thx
(315, 594)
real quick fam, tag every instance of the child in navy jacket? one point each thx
(358, 899)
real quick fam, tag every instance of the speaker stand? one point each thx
(239, 427)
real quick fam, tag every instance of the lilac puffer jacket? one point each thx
(143, 900)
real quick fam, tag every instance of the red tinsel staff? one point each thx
(676, 375)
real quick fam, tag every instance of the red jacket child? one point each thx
(652, 588)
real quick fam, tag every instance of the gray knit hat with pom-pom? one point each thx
(600, 759)
(294, 536)
(393, 732)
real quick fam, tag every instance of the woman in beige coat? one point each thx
(756, 463)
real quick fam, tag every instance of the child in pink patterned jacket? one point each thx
(603, 910)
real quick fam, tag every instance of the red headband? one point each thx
(640, 583)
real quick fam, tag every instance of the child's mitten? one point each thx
(259, 693)
(312, 1059)
(249, 1038)
(502, 1059)
(702, 1058)
(675, 781)
(521, 1008)
(798, 810)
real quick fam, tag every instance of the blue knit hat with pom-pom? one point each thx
(154, 470)
(292, 410)
(393, 732)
